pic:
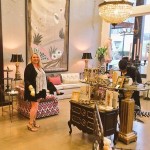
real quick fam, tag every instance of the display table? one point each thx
(82, 116)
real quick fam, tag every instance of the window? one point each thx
(124, 41)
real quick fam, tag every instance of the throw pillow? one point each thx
(55, 80)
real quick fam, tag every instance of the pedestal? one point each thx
(126, 133)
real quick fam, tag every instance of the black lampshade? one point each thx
(16, 58)
(87, 56)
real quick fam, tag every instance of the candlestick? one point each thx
(130, 50)
(134, 51)
(137, 50)
(140, 52)
(145, 56)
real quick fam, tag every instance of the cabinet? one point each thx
(82, 116)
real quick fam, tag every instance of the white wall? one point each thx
(13, 29)
(84, 32)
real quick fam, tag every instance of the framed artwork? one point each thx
(120, 81)
(109, 98)
(47, 30)
(85, 92)
(75, 95)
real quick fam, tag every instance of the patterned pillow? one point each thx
(55, 75)
(55, 80)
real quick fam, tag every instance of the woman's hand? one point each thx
(32, 90)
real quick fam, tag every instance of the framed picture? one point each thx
(47, 28)
(120, 81)
(85, 92)
(75, 95)
(109, 98)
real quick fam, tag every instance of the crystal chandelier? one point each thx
(115, 11)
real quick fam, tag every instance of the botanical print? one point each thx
(48, 31)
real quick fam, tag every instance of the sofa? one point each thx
(66, 83)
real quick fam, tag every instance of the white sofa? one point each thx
(69, 82)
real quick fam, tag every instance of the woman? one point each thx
(35, 88)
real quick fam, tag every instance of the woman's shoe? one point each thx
(31, 127)
(61, 93)
(36, 125)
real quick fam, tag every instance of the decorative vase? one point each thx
(101, 66)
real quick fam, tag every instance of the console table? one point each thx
(82, 116)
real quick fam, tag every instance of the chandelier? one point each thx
(115, 11)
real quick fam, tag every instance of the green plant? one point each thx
(101, 51)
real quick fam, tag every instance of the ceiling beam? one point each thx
(140, 10)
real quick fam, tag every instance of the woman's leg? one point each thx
(51, 87)
(34, 121)
(33, 113)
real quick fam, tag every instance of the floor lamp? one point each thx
(86, 57)
(17, 58)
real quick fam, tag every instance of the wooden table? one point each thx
(82, 116)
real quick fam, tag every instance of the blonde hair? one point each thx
(39, 63)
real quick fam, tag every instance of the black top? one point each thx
(131, 72)
(30, 79)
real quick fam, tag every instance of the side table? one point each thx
(12, 94)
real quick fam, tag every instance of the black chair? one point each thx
(5, 101)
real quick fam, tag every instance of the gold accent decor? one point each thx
(120, 81)
(115, 11)
(75, 95)
(126, 133)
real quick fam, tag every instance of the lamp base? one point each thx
(17, 76)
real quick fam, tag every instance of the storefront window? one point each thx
(122, 39)
(146, 36)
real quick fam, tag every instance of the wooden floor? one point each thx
(54, 133)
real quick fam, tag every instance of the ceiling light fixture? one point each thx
(115, 11)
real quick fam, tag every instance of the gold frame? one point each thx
(120, 81)
(75, 95)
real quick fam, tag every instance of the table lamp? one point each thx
(17, 58)
(86, 57)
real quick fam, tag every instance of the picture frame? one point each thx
(109, 98)
(47, 33)
(75, 95)
(120, 81)
(85, 92)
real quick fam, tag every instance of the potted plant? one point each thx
(100, 53)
